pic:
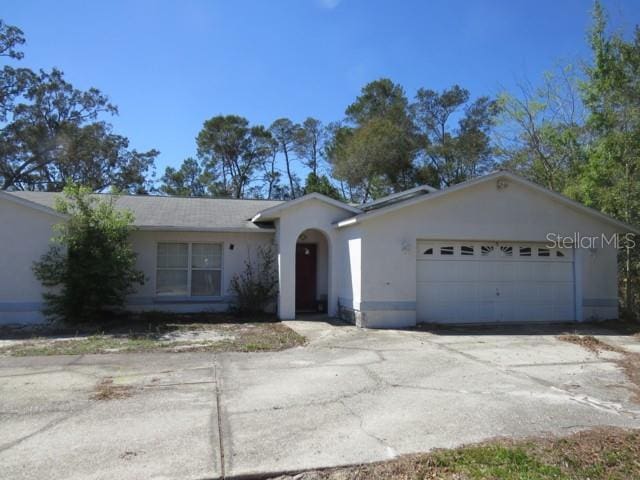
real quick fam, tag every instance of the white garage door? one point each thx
(488, 282)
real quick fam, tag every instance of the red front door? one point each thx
(306, 262)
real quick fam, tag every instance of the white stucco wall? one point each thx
(480, 212)
(311, 214)
(233, 261)
(349, 265)
(24, 237)
(599, 279)
(370, 267)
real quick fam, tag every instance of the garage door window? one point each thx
(446, 250)
(491, 252)
(466, 250)
(486, 250)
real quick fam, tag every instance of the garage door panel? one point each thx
(500, 286)
(562, 270)
(541, 271)
(527, 271)
(431, 272)
(563, 294)
(564, 311)
(526, 292)
(506, 271)
(427, 292)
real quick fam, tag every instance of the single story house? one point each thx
(482, 251)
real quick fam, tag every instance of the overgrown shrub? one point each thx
(256, 288)
(90, 266)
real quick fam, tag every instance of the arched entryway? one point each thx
(312, 272)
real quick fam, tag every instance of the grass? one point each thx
(154, 332)
(612, 454)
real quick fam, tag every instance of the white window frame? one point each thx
(189, 296)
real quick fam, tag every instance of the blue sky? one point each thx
(169, 65)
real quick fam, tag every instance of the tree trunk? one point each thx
(272, 176)
(344, 194)
(286, 161)
(314, 160)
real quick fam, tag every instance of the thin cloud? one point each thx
(328, 4)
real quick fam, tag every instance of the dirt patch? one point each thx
(107, 390)
(156, 333)
(630, 361)
(595, 454)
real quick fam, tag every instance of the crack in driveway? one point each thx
(342, 402)
(391, 453)
(583, 400)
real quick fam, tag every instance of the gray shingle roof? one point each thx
(181, 213)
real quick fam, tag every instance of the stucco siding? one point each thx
(313, 214)
(145, 243)
(24, 238)
(481, 212)
(367, 267)
(600, 284)
(25, 235)
(348, 252)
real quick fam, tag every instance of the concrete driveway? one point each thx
(350, 396)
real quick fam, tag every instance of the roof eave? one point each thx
(176, 228)
(33, 205)
(398, 197)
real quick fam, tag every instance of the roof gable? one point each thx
(274, 212)
(476, 181)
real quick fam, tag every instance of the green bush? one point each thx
(90, 266)
(256, 288)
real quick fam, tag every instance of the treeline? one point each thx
(239, 160)
(577, 133)
(384, 144)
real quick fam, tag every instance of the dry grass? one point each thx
(589, 342)
(106, 390)
(157, 333)
(258, 337)
(612, 454)
(630, 363)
